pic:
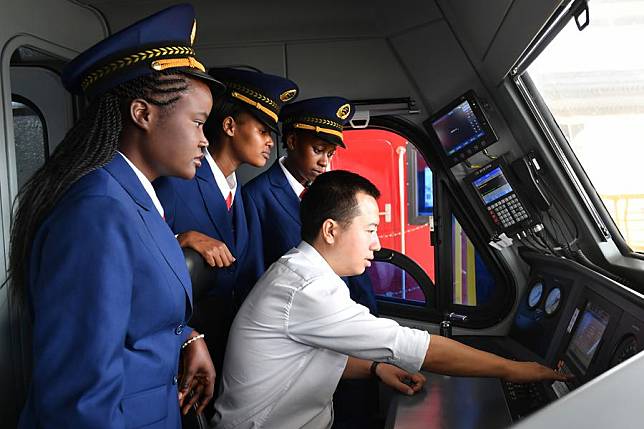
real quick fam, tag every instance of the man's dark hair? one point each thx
(332, 196)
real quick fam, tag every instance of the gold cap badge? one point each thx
(288, 95)
(193, 33)
(344, 111)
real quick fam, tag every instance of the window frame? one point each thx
(587, 197)
(448, 198)
(27, 102)
(428, 311)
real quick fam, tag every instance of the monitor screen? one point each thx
(458, 129)
(492, 185)
(588, 334)
(425, 192)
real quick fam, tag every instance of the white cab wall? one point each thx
(360, 49)
(495, 33)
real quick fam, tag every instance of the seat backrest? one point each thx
(202, 275)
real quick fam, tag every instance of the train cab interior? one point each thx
(504, 138)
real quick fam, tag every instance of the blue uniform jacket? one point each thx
(110, 295)
(197, 205)
(270, 200)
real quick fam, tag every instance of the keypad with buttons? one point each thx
(507, 211)
(524, 399)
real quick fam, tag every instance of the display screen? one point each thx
(492, 185)
(588, 335)
(425, 191)
(458, 129)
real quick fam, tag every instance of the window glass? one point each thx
(593, 83)
(30, 140)
(472, 282)
(395, 284)
(406, 203)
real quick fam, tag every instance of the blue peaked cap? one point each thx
(262, 94)
(325, 116)
(163, 41)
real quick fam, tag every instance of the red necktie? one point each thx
(229, 200)
(303, 192)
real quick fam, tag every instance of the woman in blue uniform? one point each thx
(207, 213)
(311, 133)
(91, 256)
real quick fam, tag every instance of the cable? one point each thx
(471, 166)
(492, 157)
(538, 238)
(559, 204)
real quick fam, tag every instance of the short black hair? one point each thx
(332, 196)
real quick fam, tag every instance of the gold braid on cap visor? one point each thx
(255, 104)
(319, 129)
(160, 64)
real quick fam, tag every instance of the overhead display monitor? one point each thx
(461, 128)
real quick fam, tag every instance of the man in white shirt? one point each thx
(290, 342)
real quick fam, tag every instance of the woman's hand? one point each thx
(197, 377)
(400, 379)
(214, 252)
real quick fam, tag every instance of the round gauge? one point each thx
(627, 347)
(552, 301)
(534, 297)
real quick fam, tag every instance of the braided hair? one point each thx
(90, 144)
(222, 108)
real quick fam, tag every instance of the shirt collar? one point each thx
(314, 256)
(225, 184)
(295, 185)
(146, 185)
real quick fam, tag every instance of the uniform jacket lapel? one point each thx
(215, 204)
(283, 192)
(158, 229)
(241, 228)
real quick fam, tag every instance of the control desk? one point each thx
(570, 318)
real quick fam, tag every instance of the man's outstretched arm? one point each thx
(446, 356)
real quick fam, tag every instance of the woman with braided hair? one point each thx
(91, 256)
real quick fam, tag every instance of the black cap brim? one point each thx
(216, 87)
(330, 138)
(259, 115)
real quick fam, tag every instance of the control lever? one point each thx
(446, 324)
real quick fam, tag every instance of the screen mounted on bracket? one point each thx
(461, 129)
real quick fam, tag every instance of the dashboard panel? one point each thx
(576, 321)
(569, 318)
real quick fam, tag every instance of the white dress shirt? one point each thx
(227, 185)
(147, 185)
(295, 185)
(289, 343)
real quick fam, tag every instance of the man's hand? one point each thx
(400, 379)
(526, 372)
(197, 376)
(214, 252)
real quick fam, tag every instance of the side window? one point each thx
(472, 281)
(30, 136)
(591, 82)
(405, 181)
